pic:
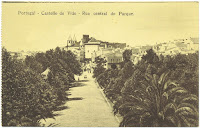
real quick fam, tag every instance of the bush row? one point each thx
(156, 92)
(28, 93)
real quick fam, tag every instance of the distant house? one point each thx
(113, 59)
(143, 49)
(135, 51)
(105, 51)
(45, 73)
(91, 47)
(116, 45)
(172, 51)
(104, 45)
(183, 46)
(194, 44)
(135, 58)
(101, 53)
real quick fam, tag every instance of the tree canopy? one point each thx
(27, 96)
(158, 91)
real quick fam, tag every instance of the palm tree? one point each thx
(157, 102)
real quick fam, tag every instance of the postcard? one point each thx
(100, 64)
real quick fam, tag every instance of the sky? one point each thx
(152, 23)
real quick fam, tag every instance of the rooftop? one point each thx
(93, 43)
(181, 44)
(115, 54)
(92, 39)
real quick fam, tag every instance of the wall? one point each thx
(90, 49)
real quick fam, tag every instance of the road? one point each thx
(88, 109)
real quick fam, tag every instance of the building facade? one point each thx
(113, 59)
(91, 48)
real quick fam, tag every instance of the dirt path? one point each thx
(87, 109)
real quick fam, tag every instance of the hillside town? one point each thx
(101, 81)
(89, 48)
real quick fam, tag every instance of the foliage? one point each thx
(150, 57)
(157, 91)
(27, 96)
(114, 66)
(187, 72)
(126, 56)
(127, 70)
(99, 66)
(158, 102)
(31, 62)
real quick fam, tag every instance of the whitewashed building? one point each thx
(90, 48)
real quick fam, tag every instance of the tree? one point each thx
(187, 71)
(159, 102)
(127, 55)
(32, 63)
(127, 70)
(26, 97)
(41, 58)
(151, 57)
(156, 92)
(99, 66)
(113, 66)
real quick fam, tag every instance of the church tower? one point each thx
(74, 39)
(69, 41)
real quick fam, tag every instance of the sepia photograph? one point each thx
(100, 64)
